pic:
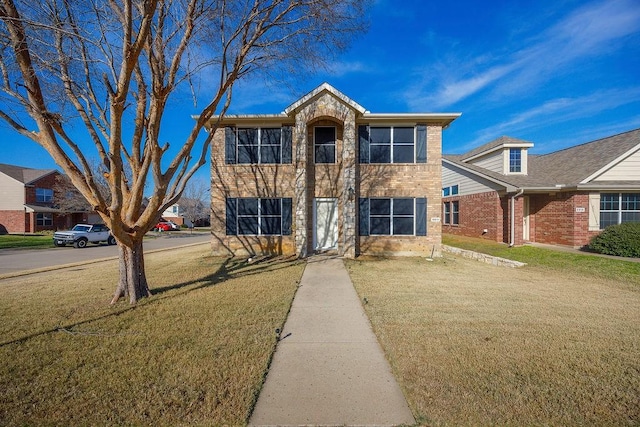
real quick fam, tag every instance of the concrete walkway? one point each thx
(328, 368)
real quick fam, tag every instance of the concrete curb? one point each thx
(487, 259)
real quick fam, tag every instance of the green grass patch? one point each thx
(32, 241)
(195, 353)
(586, 265)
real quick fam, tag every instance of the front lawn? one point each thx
(195, 353)
(475, 344)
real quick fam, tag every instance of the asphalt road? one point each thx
(16, 260)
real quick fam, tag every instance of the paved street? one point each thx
(12, 261)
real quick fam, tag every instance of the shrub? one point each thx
(621, 240)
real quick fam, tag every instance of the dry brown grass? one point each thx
(474, 344)
(194, 353)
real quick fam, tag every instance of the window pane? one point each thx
(447, 212)
(380, 206)
(403, 226)
(631, 201)
(325, 153)
(607, 219)
(248, 207)
(609, 201)
(446, 191)
(630, 216)
(247, 136)
(380, 135)
(402, 153)
(271, 136)
(403, 135)
(325, 135)
(380, 225)
(270, 207)
(270, 154)
(247, 154)
(454, 190)
(455, 215)
(403, 206)
(380, 153)
(271, 225)
(248, 225)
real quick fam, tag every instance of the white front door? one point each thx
(326, 224)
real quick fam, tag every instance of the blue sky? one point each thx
(556, 73)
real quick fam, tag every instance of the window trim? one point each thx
(515, 163)
(232, 216)
(259, 145)
(44, 219)
(392, 216)
(451, 213)
(392, 144)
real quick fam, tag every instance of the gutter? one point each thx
(512, 238)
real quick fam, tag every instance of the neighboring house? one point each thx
(500, 192)
(27, 201)
(174, 214)
(327, 175)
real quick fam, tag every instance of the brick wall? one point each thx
(12, 222)
(559, 219)
(478, 212)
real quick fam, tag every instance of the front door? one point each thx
(326, 224)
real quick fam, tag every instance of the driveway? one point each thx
(16, 260)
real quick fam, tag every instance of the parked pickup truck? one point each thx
(81, 234)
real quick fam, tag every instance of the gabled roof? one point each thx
(571, 167)
(25, 175)
(502, 142)
(324, 88)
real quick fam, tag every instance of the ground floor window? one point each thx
(404, 216)
(451, 213)
(616, 208)
(44, 219)
(258, 216)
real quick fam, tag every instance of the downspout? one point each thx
(512, 238)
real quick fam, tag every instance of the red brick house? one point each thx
(27, 201)
(327, 175)
(500, 192)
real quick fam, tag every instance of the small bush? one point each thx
(621, 240)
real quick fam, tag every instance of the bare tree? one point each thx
(104, 71)
(195, 203)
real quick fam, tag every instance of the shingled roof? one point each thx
(24, 175)
(569, 167)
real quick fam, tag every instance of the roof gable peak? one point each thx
(320, 90)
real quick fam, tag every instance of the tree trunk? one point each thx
(133, 280)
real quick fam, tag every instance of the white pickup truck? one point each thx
(81, 234)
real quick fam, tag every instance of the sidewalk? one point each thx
(328, 368)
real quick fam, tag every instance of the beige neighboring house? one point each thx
(27, 201)
(327, 175)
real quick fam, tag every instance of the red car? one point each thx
(166, 226)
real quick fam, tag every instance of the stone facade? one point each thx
(344, 181)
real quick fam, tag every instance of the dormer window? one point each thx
(515, 160)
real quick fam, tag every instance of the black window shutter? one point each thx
(421, 144)
(364, 217)
(230, 145)
(286, 216)
(421, 216)
(363, 140)
(287, 132)
(232, 216)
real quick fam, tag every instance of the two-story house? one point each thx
(327, 175)
(501, 192)
(27, 202)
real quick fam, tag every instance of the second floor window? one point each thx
(258, 145)
(515, 160)
(392, 144)
(44, 195)
(325, 144)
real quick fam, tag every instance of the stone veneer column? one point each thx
(300, 199)
(349, 183)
